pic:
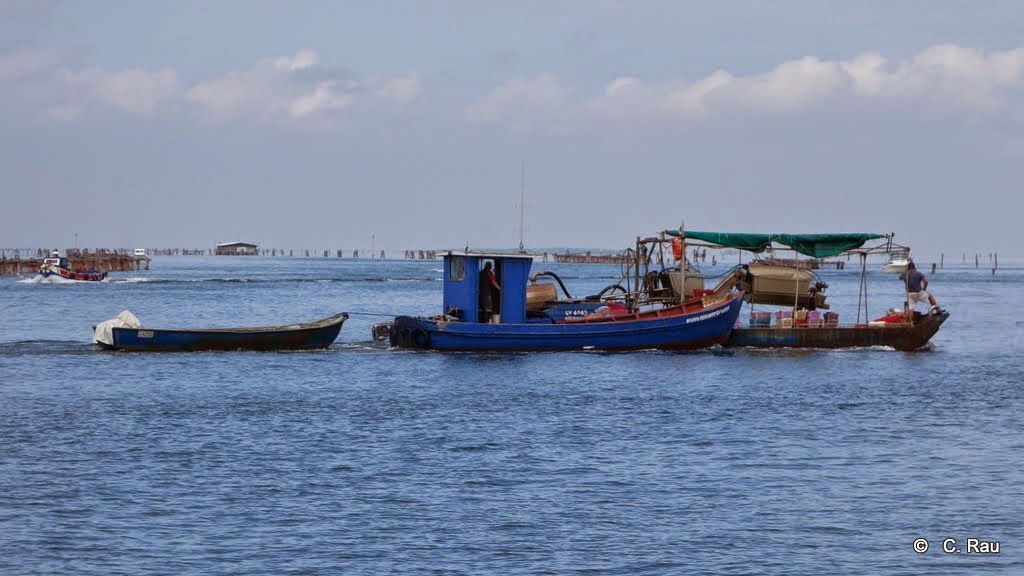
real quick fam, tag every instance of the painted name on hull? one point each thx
(707, 316)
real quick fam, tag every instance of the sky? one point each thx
(333, 124)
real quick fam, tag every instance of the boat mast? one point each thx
(522, 206)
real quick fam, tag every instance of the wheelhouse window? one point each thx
(457, 268)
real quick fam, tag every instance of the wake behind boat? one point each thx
(124, 332)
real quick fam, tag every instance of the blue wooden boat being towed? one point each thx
(125, 333)
(647, 316)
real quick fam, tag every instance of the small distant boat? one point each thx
(896, 265)
(125, 333)
(57, 265)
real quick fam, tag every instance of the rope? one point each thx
(726, 273)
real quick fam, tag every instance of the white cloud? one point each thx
(279, 89)
(401, 90)
(289, 88)
(621, 85)
(790, 86)
(694, 99)
(945, 75)
(867, 73)
(302, 61)
(135, 91)
(960, 76)
(524, 103)
(45, 84)
(251, 92)
(276, 88)
(323, 97)
(624, 97)
(299, 86)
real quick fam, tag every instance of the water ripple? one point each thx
(359, 459)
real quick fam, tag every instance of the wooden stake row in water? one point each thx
(992, 256)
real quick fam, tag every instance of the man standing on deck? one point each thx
(490, 293)
(917, 287)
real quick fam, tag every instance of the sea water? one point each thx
(363, 460)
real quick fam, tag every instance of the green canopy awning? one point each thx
(814, 245)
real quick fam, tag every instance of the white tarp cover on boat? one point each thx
(785, 280)
(103, 332)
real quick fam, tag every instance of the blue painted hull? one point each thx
(313, 335)
(667, 330)
(561, 311)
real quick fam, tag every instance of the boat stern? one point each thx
(411, 332)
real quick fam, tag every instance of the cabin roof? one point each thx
(486, 255)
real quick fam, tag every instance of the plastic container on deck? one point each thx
(800, 318)
(760, 319)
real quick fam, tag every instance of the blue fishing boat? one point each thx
(495, 309)
(125, 333)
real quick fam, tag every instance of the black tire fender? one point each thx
(421, 338)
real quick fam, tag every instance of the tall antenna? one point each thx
(522, 205)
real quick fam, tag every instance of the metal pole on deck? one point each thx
(906, 295)
(860, 290)
(682, 269)
(636, 275)
(796, 293)
(864, 268)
